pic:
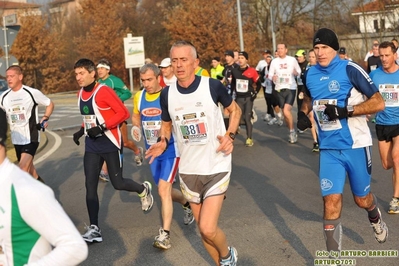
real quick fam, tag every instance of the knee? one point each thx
(206, 231)
(164, 192)
(364, 202)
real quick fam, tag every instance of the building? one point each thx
(378, 16)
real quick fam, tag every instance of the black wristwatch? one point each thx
(231, 135)
(350, 110)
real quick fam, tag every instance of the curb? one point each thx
(43, 143)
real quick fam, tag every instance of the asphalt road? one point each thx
(272, 213)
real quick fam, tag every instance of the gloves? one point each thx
(303, 121)
(95, 131)
(334, 112)
(253, 96)
(40, 126)
(77, 135)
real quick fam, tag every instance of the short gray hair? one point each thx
(150, 66)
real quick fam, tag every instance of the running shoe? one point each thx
(93, 234)
(394, 206)
(280, 122)
(300, 131)
(249, 142)
(272, 121)
(162, 240)
(138, 158)
(232, 260)
(104, 176)
(293, 137)
(315, 147)
(267, 118)
(188, 215)
(147, 199)
(380, 230)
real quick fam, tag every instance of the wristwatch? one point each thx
(231, 135)
(350, 110)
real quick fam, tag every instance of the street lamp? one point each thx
(240, 25)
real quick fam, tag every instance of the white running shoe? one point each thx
(104, 176)
(162, 240)
(92, 234)
(272, 121)
(147, 200)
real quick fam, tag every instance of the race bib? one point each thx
(151, 131)
(389, 93)
(283, 81)
(242, 85)
(89, 121)
(17, 115)
(322, 119)
(193, 128)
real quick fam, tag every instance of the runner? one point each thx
(102, 113)
(147, 117)
(20, 103)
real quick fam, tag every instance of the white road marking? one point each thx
(56, 145)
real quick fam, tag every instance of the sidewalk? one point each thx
(43, 142)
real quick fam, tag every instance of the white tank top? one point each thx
(197, 121)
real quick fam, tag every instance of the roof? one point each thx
(17, 5)
(59, 2)
(377, 5)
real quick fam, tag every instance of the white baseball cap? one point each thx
(165, 62)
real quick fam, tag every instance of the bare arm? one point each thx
(158, 148)
(306, 104)
(226, 143)
(47, 113)
(373, 105)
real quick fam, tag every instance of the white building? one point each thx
(378, 16)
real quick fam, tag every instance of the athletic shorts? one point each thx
(386, 132)
(196, 188)
(164, 169)
(336, 164)
(30, 148)
(286, 96)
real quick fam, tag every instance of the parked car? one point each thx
(3, 85)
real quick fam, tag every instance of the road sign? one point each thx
(3, 66)
(12, 32)
(10, 20)
(134, 51)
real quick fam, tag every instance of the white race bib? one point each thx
(322, 119)
(17, 115)
(151, 131)
(193, 128)
(389, 93)
(242, 85)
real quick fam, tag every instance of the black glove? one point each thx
(95, 131)
(253, 96)
(334, 112)
(77, 135)
(303, 121)
(40, 126)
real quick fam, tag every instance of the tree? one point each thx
(212, 31)
(38, 51)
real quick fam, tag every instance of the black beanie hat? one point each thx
(243, 53)
(3, 127)
(327, 37)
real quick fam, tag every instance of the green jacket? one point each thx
(118, 86)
